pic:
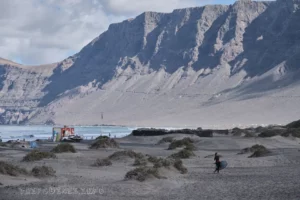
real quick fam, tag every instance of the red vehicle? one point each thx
(65, 134)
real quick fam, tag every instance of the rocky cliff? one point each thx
(217, 64)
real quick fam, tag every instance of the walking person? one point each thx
(217, 162)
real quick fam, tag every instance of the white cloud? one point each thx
(137, 6)
(43, 31)
(46, 31)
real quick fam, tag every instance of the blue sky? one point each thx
(35, 32)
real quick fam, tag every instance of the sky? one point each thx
(35, 32)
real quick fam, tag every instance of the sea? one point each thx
(31, 133)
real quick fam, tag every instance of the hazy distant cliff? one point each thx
(215, 64)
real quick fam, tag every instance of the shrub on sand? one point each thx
(295, 132)
(166, 140)
(2, 144)
(256, 150)
(237, 131)
(102, 162)
(257, 147)
(260, 129)
(183, 154)
(102, 137)
(43, 171)
(120, 154)
(140, 161)
(168, 162)
(248, 135)
(253, 149)
(271, 133)
(190, 146)
(163, 163)
(180, 167)
(259, 153)
(36, 155)
(160, 162)
(295, 124)
(187, 142)
(153, 159)
(104, 142)
(11, 170)
(63, 148)
(142, 173)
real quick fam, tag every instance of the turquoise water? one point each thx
(45, 132)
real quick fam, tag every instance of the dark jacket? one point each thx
(217, 159)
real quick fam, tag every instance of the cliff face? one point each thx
(165, 69)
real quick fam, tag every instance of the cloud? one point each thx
(43, 31)
(125, 7)
(46, 31)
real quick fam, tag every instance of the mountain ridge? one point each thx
(185, 64)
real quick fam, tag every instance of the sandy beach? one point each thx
(275, 176)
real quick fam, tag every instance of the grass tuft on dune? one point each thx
(64, 148)
(11, 170)
(121, 154)
(102, 162)
(142, 173)
(140, 161)
(166, 140)
(178, 164)
(104, 142)
(256, 150)
(37, 155)
(183, 154)
(185, 142)
(43, 171)
(271, 133)
(2, 144)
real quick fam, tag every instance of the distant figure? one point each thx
(63, 133)
(217, 162)
(33, 145)
(109, 135)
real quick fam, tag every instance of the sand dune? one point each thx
(273, 177)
